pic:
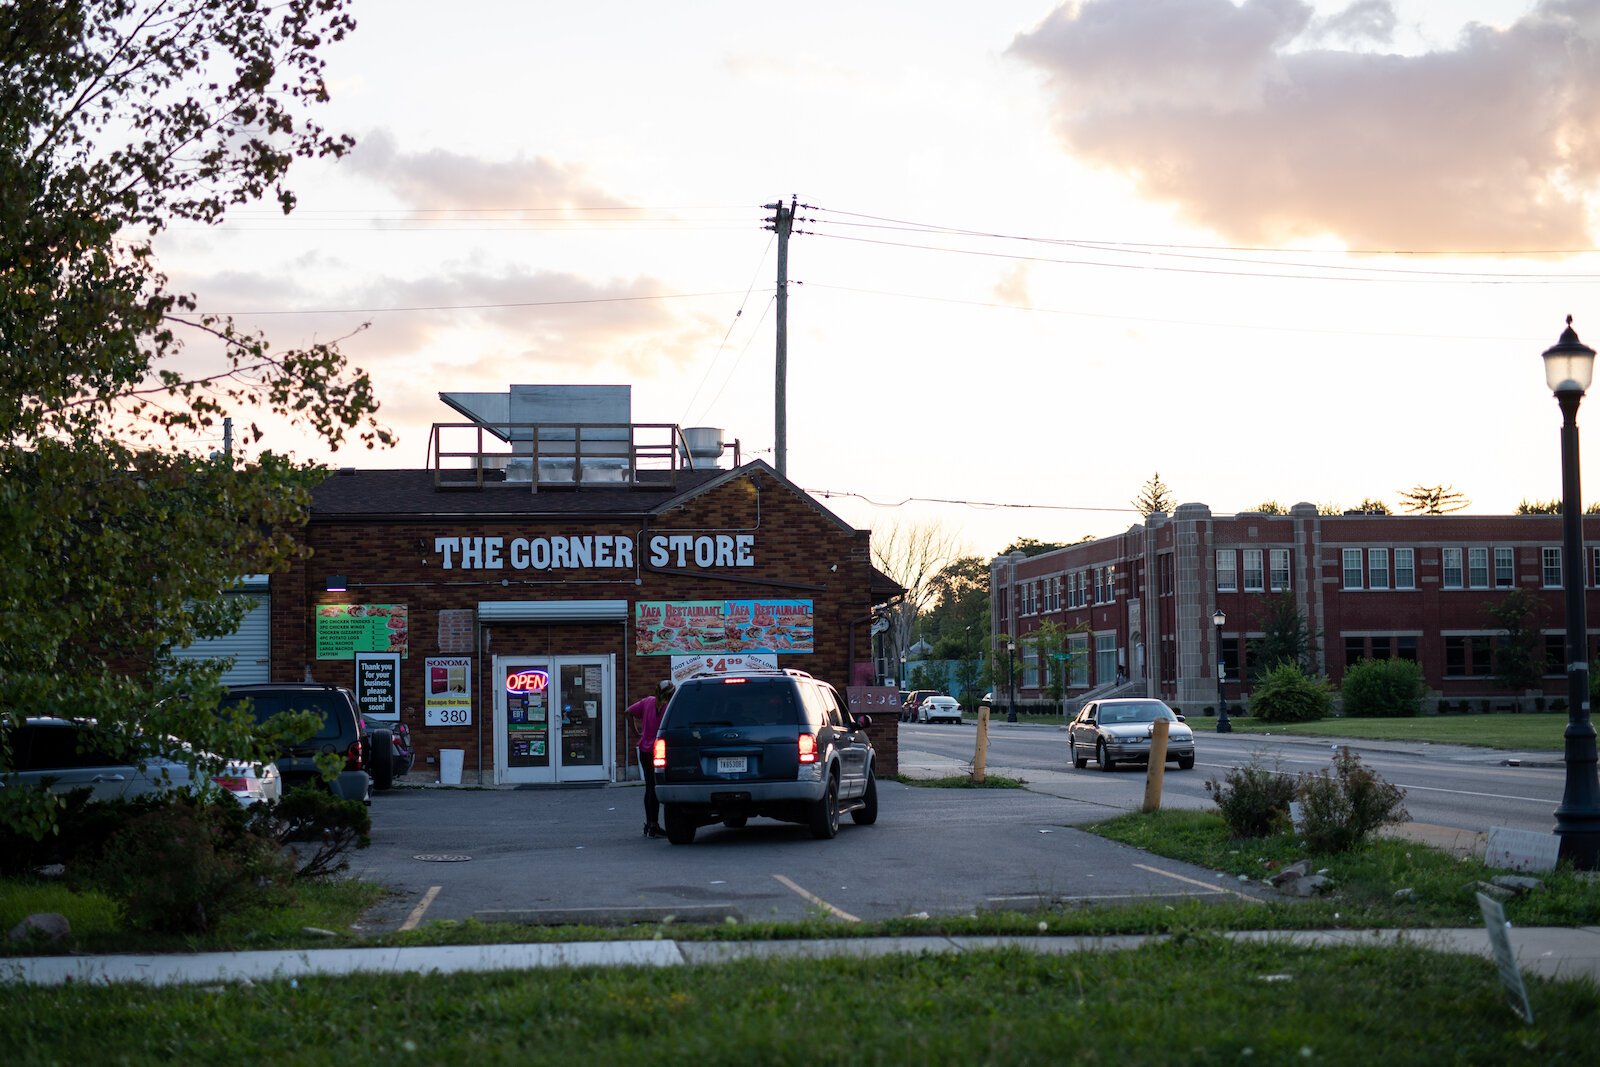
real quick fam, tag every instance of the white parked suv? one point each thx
(939, 709)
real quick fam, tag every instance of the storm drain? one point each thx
(441, 857)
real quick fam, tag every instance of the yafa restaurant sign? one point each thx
(698, 627)
(589, 551)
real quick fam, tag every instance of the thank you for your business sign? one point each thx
(595, 551)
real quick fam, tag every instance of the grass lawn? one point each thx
(1194, 1000)
(1541, 732)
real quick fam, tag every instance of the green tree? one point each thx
(1154, 496)
(1539, 507)
(1432, 500)
(1382, 687)
(1285, 637)
(1031, 547)
(1371, 506)
(1049, 640)
(117, 544)
(1270, 507)
(1519, 653)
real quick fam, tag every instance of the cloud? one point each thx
(1013, 287)
(1232, 114)
(440, 179)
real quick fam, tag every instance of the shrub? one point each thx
(1343, 809)
(1382, 687)
(183, 864)
(1254, 799)
(308, 814)
(1288, 694)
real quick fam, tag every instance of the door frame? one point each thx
(556, 773)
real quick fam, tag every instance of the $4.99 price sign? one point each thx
(447, 699)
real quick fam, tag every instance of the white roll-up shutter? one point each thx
(553, 611)
(250, 646)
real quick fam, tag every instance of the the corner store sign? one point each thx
(602, 551)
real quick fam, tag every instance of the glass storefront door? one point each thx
(554, 719)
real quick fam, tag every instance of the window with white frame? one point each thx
(1352, 568)
(1055, 593)
(1594, 566)
(1452, 568)
(1405, 568)
(1029, 654)
(1111, 584)
(1552, 568)
(1105, 658)
(1505, 568)
(1477, 568)
(1228, 574)
(1279, 559)
(1077, 660)
(1377, 568)
(1254, 580)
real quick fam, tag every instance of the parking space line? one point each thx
(818, 901)
(1196, 881)
(422, 905)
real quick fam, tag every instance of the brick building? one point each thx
(1415, 587)
(529, 585)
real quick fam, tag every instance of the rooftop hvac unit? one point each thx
(704, 444)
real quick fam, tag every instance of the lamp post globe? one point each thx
(1218, 619)
(1568, 371)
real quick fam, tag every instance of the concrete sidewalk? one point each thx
(1552, 952)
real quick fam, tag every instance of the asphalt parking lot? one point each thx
(563, 855)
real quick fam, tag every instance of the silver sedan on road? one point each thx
(1119, 731)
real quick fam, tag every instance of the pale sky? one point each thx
(1271, 249)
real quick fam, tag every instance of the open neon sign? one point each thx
(528, 681)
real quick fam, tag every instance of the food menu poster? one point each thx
(699, 627)
(345, 629)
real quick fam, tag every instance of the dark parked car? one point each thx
(404, 755)
(778, 744)
(1118, 731)
(368, 756)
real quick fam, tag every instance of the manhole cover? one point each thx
(441, 857)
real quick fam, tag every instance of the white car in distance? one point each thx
(939, 709)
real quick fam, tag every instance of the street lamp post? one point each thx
(1218, 618)
(1011, 681)
(1568, 370)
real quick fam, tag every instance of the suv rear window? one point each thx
(265, 705)
(746, 702)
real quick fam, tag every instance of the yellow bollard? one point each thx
(980, 756)
(1157, 768)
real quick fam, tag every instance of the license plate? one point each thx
(732, 764)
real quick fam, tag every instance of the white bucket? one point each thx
(450, 760)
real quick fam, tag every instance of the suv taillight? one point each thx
(808, 748)
(658, 754)
(353, 756)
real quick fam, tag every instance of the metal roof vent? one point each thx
(705, 446)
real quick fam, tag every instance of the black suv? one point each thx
(780, 744)
(369, 760)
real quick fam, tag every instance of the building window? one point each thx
(1381, 648)
(1470, 656)
(1378, 568)
(1105, 658)
(1406, 648)
(1594, 566)
(1452, 568)
(1505, 568)
(1552, 568)
(1555, 653)
(1254, 581)
(1029, 654)
(1280, 569)
(1478, 568)
(1355, 650)
(1405, 568)
(1228, 575)
(1078, 660)
(1111, 584)
(1352, 568)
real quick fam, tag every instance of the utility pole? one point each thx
(781, 222)
(227, 436)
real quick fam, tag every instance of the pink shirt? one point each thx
(648, 711)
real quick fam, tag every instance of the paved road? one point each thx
(572, 855)
(1453, 786)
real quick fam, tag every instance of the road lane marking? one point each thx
(818, 901)
(422, 905)
(1195, 881)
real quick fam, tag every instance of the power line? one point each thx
(731, 324)
(478, 307)
(983, 505)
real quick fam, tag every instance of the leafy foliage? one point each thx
(1288, 694)
(1345, 808)
(1253, 798)
(1270, 507)
(118, 118)
(1374, 687)
(1519, 653)
(1285, 637)
(1154, 495)
(1538, 507)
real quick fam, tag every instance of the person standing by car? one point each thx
(648, 711)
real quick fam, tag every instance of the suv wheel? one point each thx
(825, 813)
(680, 826)
(867, 813)
(382, 759)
